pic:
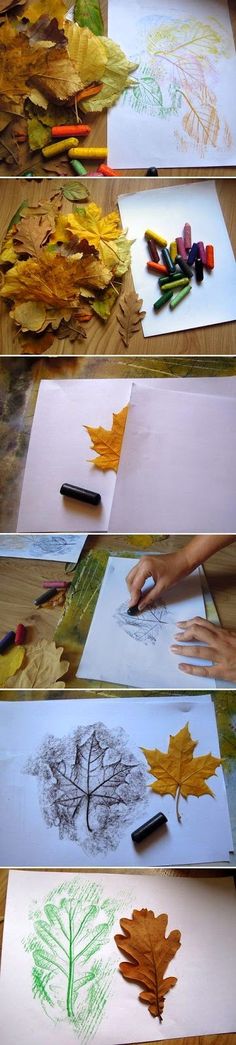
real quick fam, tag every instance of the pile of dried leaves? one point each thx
(59, 269)
(52, 70)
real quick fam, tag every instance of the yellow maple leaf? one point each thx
(103, 231)
(177, 772)
(43, 667)
(108, 442)
(10, 662)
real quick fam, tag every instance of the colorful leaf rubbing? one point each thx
(129, 316)
(177, 772)
(70, 976)
(149, 952)
(108, 442)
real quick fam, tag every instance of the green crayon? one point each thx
(162, 300)
(179, 297)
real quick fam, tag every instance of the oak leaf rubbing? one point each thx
(177, 772)
(149, 952)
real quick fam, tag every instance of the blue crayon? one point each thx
(7, 641)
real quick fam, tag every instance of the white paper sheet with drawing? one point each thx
(166, 211)
(134, 651)
(181, 112)
(59, 547)
(58, 814)
(176, 470)
(200, 909)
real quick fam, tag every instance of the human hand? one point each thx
(165, 571)
(219, 647)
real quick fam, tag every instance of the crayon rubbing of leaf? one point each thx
(177, 772)
(88, 13)
(90, 785)
(129, 316)
(149, 952)
(70, 977)
(108, 442)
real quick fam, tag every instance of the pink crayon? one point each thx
(56, 584)
(187, 236)
(181, 248)
(202, 252)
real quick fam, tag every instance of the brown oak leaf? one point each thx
(177, 772)
(129, 316)
(149, 952)
(31, 234)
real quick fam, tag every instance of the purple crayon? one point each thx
(202, 252)
(181, 248)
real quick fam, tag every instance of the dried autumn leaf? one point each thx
(54, 280)
(31, 234)
(10, 662)
(115, 79)
(108, 442)
(55, 74)
(5, 4)
(102, 230)
(87, 52)
(55, 9)
(177, 772)
(43, 667)
(75, 191)
(149, 952)
(129, 316)
(88, 13)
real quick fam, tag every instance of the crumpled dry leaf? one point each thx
(54, 280)
(129, 316)
(10, 662)
(55, 74)
(116, 78)
(43, 667)
(108, 442)
(149, 952)
(177, 772)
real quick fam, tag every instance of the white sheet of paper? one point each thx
(182, 112)
(166, 211)
(31, 834)
(57, 451)
(176, 470)
(202, 910)
(135, 651)
(59, 547)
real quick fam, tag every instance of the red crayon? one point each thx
(20, 638)
(77, 130)
(154, 266)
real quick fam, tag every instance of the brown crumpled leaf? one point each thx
(52, 283)
(149, 952)
(129, 316)
(31, 234)
(43, 667)
(177, 772)
(108, 442)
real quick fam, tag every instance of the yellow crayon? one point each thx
(173, 250)
(91, 154)
(175, 283)
(155, 235)
(64, 146)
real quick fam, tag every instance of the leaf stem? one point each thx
(70, 988)
(178, 794)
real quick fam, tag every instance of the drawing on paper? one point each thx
(90, 783)
(146, 627)
(70, 977)
(180, 74)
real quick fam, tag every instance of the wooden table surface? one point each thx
(21, 583)
(209, 1039)
(98, 136)
(104, 339)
